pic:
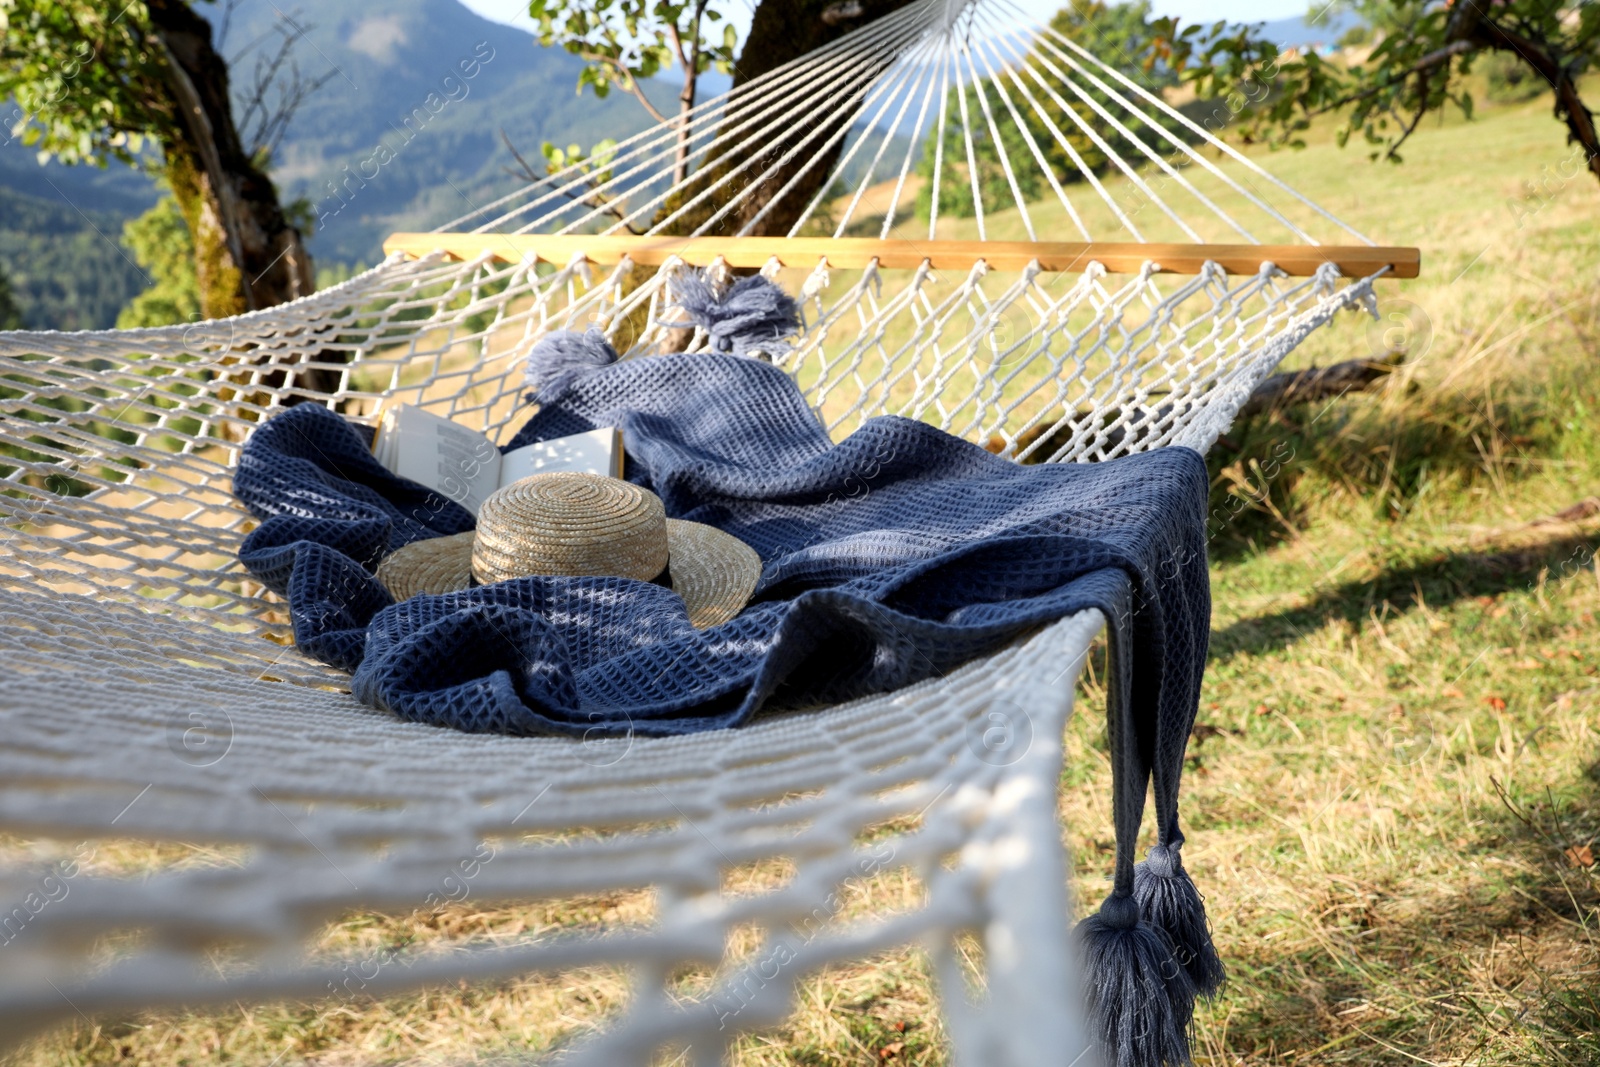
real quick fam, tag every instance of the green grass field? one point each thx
(1393, 797)
(1394, 788)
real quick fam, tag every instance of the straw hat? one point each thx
(569, 523)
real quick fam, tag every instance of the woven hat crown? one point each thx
(570, 523)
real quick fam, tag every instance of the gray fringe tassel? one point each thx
(1169, 901)
(560, 356)
(1141, 1001)
(753, 316)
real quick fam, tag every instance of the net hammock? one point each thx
(153, 693)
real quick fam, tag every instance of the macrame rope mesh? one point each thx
(1050, 367)
(153, 693)
(120, 443)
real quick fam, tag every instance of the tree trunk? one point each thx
(247, 254)
(781, 30)
(1579, 120)
(255, 258)
(1317, 383)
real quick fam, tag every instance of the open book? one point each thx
(465, 466)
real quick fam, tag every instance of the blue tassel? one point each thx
(1141, 1001)
(754, 314)
(561, 356)
(1169, 901)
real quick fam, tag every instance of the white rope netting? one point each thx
(152, 691)
(1085, 151)
(143, 701)
(120, 443)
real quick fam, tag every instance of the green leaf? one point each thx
(625, 42)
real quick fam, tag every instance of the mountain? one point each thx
(405, 135)
(59, 231)
(67, 272)
(1302, 33)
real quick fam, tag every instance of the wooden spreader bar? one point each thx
(853, 253)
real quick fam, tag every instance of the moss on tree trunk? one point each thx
(216, 274)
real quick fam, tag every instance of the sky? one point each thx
(515, 12)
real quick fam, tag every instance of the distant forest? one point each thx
(66, 267)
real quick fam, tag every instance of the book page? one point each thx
(383, 439)
(455, 462)
(595, 452)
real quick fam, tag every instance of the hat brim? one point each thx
(437, 565)
(714, 572)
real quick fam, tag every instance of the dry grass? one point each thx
(1394, 793)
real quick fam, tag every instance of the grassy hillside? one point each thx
(1396, 794)
(1393, 798)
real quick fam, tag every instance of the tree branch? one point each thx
(677, 44)
(204, 142)
(638, 93)
(691, 77)
(268, 124)
(626, 80)
(1486, 33)
(1426, 63)
(591, 199)
(1316, 383)
(527, 170)
(1416, 120)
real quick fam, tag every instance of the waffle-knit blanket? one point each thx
(899, 553)
(894, 555)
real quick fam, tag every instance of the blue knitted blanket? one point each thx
(895, 555)
(892, 556)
